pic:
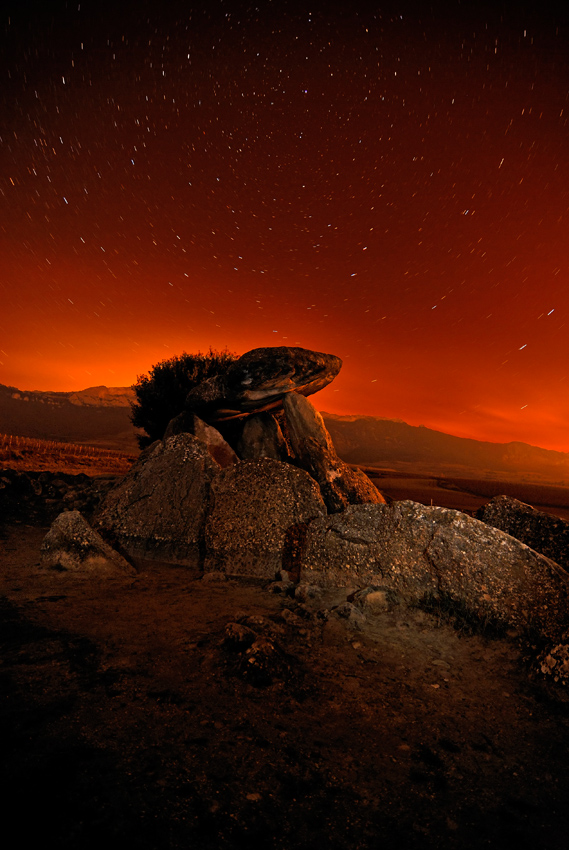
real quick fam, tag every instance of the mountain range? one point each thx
(100, 416)
(97, 416)
(392, 444)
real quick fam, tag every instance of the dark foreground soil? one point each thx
(131, 714)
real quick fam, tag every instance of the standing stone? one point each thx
(543, 532)
(314, 451)
(260, 379)
(72, 546)
(158, 509)
(257, 518)
(261, 437)
(188, 423)
(422, 552)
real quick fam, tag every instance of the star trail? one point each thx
(385, 182)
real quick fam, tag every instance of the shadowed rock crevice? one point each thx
(294, 543)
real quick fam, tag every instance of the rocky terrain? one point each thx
(241, 641)
(134, 711)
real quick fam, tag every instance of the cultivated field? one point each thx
(26, 453)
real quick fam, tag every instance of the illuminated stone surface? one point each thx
(71, 545)
(430, 552)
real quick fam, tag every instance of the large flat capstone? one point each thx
(257, 517)
(423, 551)
(158, 509)
(260, 379)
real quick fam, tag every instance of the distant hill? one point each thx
(392, 444)
(97, 416)
(100, 416)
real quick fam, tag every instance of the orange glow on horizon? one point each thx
(333, 185)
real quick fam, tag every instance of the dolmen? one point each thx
(246, 482)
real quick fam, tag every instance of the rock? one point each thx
(375, 600)
(158, 509)
(238, 637)
(258, 511)
(430, 552)
(259, 379)
(71, 545)
(214, 578)
(217, 446)
(261, 437)
(544, 533)
(353, 616)
(554, 662)
(283, 586)
(307, 592)
(263, 662)
(313, 449)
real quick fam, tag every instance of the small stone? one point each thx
(351, 614)
(262, 662)
(238, 636)
(215, 577)
(304, 592)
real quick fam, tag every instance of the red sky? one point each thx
(393, 189)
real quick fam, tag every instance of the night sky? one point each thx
(385, 182)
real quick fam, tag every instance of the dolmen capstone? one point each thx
(260, 379)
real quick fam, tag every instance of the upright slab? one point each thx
(158, 509)
(257, 517)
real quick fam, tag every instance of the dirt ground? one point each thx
(133, 711)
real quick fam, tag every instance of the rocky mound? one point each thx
(285, 505)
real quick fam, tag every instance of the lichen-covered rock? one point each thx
(71, 545)
(158, 509)
(554, 662)
(314, 451)
(258, 510)
(188, 423)
(260, 379)
(430, 552)
(541, 531)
